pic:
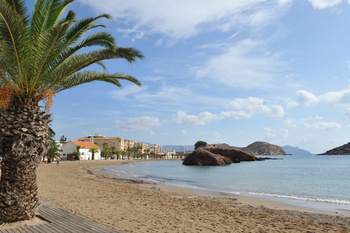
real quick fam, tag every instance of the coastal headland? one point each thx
(135, 206)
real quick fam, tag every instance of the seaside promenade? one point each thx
(56, 220)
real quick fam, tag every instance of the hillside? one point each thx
(264, 148)
(295, 150)
(341, 150)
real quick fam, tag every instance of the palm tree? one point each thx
(118, 152)
(105, 153)
(93, 150)
(78, 153)
(123, 153)
(63, 139)
(42, 54)
(53, 152)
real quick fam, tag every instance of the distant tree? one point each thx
(63, 139)
(105, 153)
(200, 144)
(113, 149)
(123, 153)
(118, 152)
(77, 157)
(53, 152)
(93, 150)
(104, 145)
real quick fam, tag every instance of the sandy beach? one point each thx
(131, 206)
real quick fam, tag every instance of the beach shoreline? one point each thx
(127, 204)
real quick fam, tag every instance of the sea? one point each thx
(317, 182)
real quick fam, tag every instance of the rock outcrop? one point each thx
(264, 148)
(203, 157)
(341, 150)
(234, 154)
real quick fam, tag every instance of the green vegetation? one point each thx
(41, 54)
(200, 144)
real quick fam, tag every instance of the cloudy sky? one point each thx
(220, 71)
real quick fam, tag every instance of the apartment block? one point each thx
(118, 143)
(112, 143)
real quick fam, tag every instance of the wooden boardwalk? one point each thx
(60, 220)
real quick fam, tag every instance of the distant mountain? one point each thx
(178, 147)
(341, 150)
(264, 148)
(295, 150)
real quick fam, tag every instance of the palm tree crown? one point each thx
(40, 54)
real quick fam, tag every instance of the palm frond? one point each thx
(14, 44)
(90, 76)
(43, 53)
(19, 7)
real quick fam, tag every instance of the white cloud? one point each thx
(183, 19)
(246, 108)
(181, 118)
(126, 92)
(252, 106)
(322, 4)
(170, 96)
(152, 133)
(291, 103)
(138, 123)
(347, 113)
(306, 98)
(246, 64)
(290, 123)
(324, 126)
(183, 132)
(276, 134)
(337, 98)
(340, 98)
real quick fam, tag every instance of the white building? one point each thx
(70, 147)
(169, 154)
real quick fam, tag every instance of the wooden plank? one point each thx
(61, 221)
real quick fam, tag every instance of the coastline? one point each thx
(136, 206)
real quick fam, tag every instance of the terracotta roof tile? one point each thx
(86, 144)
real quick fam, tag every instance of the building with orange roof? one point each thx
(85, 153)
(112, 143)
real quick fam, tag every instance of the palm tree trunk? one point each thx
(23, 141)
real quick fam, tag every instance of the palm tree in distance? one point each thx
(93, 150)
(63, 139)
(41, 55)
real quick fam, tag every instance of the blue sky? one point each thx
(220, 71)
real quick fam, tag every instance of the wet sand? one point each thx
(133, 206)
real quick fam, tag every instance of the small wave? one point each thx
(314, 199)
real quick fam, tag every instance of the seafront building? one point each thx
(70, 147)
(118, 143)
(112, 143)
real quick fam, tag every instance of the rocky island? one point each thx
(341, 150)
(218, 156)
(264, 148)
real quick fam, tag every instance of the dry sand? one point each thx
(131, 206)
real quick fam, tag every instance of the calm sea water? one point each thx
(320, 182)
